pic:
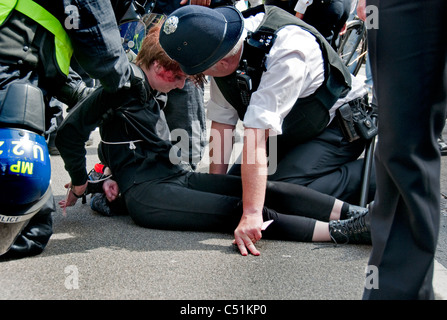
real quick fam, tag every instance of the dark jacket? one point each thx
(131, 143)
(93, 32)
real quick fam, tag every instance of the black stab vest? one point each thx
(309, 116)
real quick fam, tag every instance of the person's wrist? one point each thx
(76, 195)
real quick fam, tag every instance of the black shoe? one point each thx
(442, 146)
(100, 204)
(355, 210)
(54, 151)
(355, 230)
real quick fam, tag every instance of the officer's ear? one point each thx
(226, 66)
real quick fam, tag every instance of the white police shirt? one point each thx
(294, 70)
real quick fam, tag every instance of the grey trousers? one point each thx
(185, 111)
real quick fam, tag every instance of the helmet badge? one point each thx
(170, 25)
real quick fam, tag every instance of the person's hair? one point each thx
(234, 51)
(151, 51)
(236, 48)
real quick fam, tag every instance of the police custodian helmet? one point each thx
(25, 173)
(197, 37)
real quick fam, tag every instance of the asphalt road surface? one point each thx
(93, 257)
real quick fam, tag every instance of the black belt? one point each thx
(353, 103)
(347, 120)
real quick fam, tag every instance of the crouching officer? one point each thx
(26, 199)
(38, 40)
(285, 82)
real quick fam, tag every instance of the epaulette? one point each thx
(262, 40)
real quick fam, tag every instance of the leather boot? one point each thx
(355, 230)
(355, 210)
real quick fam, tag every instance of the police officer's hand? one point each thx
(73, 92)
(205, 3)
(73, 194)
(361, 9)
(247, 233)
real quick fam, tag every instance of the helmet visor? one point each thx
(132, 35)
(9, 233)
(12, 224)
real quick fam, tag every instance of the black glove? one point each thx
(73, 93)
(73, 90)
(135, 86)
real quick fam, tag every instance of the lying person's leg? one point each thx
(202, 202)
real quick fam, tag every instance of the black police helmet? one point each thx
(197, 37)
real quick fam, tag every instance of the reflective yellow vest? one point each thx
(34, 11)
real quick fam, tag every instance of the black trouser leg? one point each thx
(408, 56)
(204, 202)
(328, 163)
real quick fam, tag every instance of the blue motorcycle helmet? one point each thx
(25, 174)
(129, 16)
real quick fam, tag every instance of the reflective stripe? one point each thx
(5, 8)
(39, 14)
(16, 219)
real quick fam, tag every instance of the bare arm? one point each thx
(254, 181)
(221, 146)
(205, 3)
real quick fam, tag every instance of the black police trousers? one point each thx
(408, 62)
(327, 163)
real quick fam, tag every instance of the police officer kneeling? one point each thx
(285, 82)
